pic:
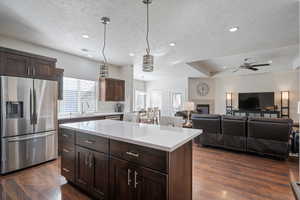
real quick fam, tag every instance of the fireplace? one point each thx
(202, 108)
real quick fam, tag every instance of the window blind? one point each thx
(79, 95)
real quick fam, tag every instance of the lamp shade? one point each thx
(228, 96)
(189, 106)
(285, 95)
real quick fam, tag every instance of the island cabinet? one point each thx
(109, 169)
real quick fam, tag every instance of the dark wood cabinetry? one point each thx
(113, 170)
(121, 180)
(15, 65)
(130, 182)
(43, 69)
(67, 141)
(27, 65)
(60, 83)
(112, 89)
(92, 172)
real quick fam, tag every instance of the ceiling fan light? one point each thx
(148, 62)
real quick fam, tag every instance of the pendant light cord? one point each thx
(147, 36)
(104, 45)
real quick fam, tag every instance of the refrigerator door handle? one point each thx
(31, 137)
(30, 99)
(34, 108)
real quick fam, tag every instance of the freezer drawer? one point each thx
(28, 150)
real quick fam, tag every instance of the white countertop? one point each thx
(76, 116)
(154, 136)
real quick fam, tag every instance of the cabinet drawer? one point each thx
(67, 137)
(96, 143)
(151, 158)
(68, 163)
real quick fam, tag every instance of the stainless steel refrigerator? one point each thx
(28, 122)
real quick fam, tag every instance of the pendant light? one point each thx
(104, 66)
(148, 59)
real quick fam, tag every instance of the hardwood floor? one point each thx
(218, 175)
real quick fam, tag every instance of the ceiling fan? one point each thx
(251, 64)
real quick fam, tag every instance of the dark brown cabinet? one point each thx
(83, 168)
(43, 69)
(23, 64)
(112, 90)
(92, 172)
(130, 182)
(67, 141)
(60, 83)
(152, 183)
(112, 170)
(100, 175)
(15, 65)
(121, 180)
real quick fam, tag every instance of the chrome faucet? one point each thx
(83, 110)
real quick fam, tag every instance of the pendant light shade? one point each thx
(104, 66)
(148, 63)
(148, 59)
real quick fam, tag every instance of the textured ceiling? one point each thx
(281, 58)
(199, 28)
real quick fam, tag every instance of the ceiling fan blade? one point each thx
(253, 69)
(236, 69)
(260, 65)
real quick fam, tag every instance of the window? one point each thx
(177, 101)
(156, 99)
(140, 100)
(79, 96)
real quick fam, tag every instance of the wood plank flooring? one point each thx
(218, 175)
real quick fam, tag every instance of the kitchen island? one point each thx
(117, 160)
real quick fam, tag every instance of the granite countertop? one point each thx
(86, 115)
(153, 136)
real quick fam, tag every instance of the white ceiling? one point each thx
(281, 59)
(199, 28)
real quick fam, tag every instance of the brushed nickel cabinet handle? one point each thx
(28, 71)
(91, 156)
(66, 150)
(135, 179)
(132, 154)
(66, 170)
(89, 141)
(128, 177)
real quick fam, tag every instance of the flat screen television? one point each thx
(256, 101)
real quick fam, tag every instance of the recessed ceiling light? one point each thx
(85, 36)
(90, 56)
(131, 54)
(234, 29)
(172, 44)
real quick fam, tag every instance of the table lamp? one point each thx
(188, 106)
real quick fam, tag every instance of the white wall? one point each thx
(139, 85)
(266, 82)
(166, 86)
(78, 67)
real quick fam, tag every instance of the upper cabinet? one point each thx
(14, 65)
(112, 89)
(43, 69)
(22, 64)
(60, 82)
(27, 65)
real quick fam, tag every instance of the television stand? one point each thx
(256, 113)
